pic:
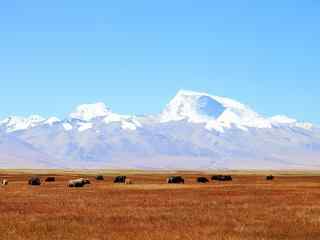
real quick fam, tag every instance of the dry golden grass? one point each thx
(247, 208)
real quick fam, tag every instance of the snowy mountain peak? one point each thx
(126, 122)
(196, 107)
(216, 133)
(216, 112)
(15, 123)
(212, 112)
(87, 112)
(220, 113)
(52, 120)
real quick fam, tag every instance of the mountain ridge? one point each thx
(194, 131)
(227, 112)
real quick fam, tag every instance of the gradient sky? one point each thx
(135, 55)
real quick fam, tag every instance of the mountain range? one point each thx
(195, 131)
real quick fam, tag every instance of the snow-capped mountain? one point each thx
(218, 113)
(15, 123)
(194, 131)
(87, 115)
(88, 112)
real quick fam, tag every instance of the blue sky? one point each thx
(135, 55)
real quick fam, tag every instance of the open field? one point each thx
(247, 208)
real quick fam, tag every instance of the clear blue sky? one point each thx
(135, 55)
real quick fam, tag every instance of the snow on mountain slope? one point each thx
(281, 119)
(67, 126)
(15, 123)
(182, 145)
(52, 120)
(216, 112)
(126, 122)
(195, 131)
(195, 107)
(87, 112)
(83, 118)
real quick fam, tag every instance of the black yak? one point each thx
(202, 180)
(120, 179)
(50, 179)
(34, 181)
(221, 178)
(175, 179)
(269, 178)
(99, 178)
(86, 181)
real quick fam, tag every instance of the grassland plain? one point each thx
(247, 208)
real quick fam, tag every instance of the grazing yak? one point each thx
(50, 179)
(270, 178)
(78, 182)
(202, 180)
(128, 181)
(85, 180)
(175, 179)
(99, 178)
(221, 178)
(34, 181)
(120, 179)
(4, 182)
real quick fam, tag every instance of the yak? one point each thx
(50, 179)
(99, 178)
(78, 182)
(86, 181)
(202, 180)
(221, 178)
(175, 179)
(269, 178)
(120, 179)
(34, 181)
